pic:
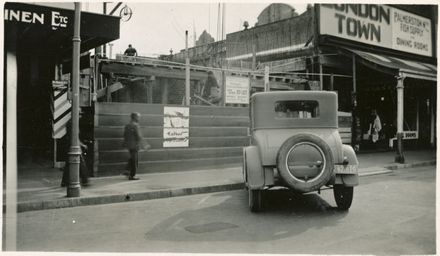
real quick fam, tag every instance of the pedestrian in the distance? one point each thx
(133, 141)
(376, 126)
(130, 51)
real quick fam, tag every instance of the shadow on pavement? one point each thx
(285, 215)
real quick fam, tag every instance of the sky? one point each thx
(157, 27)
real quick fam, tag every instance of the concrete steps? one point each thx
(216, 138)
(104, 132)
(108, 169)
(127, 108)
(194, 142)
(119, 156)
(157, 120)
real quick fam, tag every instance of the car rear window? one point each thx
(297, 109)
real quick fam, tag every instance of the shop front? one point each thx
(390, 55)
(38, 51)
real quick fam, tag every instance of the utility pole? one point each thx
(187, 80)
(218, 22)
(104, 50)
(110, 45)
(266, 79)
(74, 188)
(223, 21)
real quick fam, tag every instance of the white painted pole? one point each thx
(187, 74)
(110, 50)
(223, 22)
(399, 156)
(11, 153)
(321, 79)
(266, 79)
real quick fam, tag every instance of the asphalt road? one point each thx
(391, 214)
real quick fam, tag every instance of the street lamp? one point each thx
(74, 188)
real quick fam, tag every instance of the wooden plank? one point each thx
(259, 83)
(346, 141)
(113, 88)
(345, 135)
(118, 68)
(345, 129)
(202, 99)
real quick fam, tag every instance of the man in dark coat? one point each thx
(130, 51)
(133, 142)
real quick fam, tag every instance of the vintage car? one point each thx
(295, 144)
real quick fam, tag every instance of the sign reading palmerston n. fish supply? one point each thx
(411, 33)
(378, 25)
(175, 127)
(237, 90)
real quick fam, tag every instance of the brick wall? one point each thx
(293, 31)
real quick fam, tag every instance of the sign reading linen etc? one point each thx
(175, 127)
(379, 25)
(39, 16)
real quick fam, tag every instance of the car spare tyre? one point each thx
(305, 162)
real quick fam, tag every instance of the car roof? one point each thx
(264, 115)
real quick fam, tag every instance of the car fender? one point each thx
(348, 152)
(348, 179)
(254, 170)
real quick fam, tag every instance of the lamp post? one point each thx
(74, 188)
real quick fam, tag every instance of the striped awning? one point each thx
(407, 68)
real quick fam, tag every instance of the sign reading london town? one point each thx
(378, 25)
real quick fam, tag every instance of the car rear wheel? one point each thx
(255, 200)
(343, 196)
(305, 162)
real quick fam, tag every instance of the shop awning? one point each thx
(398, 66)
(49, 30)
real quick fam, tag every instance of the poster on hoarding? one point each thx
(237, 90)
(378, 25)
(175, 127)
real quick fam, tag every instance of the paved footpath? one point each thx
(39, 188)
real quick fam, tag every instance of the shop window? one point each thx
(297, 109)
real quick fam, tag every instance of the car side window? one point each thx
(302, 109)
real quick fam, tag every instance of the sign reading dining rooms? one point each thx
(379, 25)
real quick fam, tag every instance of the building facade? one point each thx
(376, 57)
(38, 59)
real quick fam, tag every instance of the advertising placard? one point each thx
(175, 127)
(411, 33)
(378, 25)
(237, 90)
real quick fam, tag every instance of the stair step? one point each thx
(157, 120)
(171, 166)
(157, 132)
(170, 154)
(127, 108)
(194, 142)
